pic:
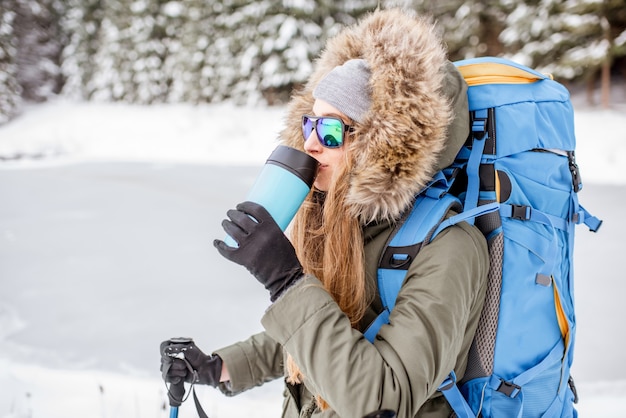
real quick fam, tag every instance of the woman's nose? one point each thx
(311, 144)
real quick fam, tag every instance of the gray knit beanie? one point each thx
(347, 87)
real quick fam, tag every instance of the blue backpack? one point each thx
(516, 179)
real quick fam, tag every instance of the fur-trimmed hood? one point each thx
(403, 138)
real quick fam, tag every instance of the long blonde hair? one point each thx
(329, 244)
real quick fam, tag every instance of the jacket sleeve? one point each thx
(438, 305)
(251, 363)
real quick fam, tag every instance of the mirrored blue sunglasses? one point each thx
(330, 130)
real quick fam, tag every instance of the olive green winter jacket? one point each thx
(429, 334)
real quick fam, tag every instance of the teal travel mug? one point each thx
(282, 185)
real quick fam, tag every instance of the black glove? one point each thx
(182, 360)
(263, 248)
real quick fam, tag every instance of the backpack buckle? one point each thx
(509, 389)
(520, 212)
(448, 383)
(574, 170)
(572, 386)
(399, 258)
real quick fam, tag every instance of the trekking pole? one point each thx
(175, 394)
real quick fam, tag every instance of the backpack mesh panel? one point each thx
(488, 222)
(480, 358)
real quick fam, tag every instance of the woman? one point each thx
(382, 112)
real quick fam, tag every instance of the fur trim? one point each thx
(396, 147)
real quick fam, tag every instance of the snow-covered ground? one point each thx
(107, 214)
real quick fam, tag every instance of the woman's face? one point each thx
(330, 159)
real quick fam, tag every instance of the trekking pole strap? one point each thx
(174, 408)
(199, 409)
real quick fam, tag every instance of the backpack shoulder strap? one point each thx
(414, 231)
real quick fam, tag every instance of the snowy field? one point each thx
(107, 217)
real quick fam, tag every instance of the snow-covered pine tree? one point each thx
(82, 22)
(291, 35)
(543, 33)
(111, 79)
(10, 90)
(470, 28)
(39, 45)
(133, 41)
(571, 40)
(154, 35)
(287, 43)
(147, 51)
(233, 57)
(185, 60)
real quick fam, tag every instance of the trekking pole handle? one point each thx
(175, 394)
(176, 391)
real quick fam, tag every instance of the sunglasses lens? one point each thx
(307, 127)
(330, 132)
